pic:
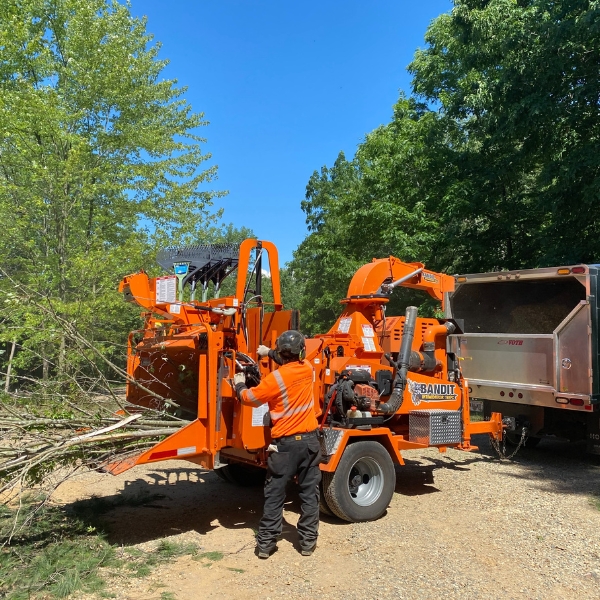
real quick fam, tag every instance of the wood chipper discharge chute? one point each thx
(382, 384)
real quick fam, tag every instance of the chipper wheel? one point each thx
(323, 507)
(242, 475)
(362, 486)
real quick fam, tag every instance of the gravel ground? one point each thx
(459, 526)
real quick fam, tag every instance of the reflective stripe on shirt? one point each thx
(284, 394)
(288, 412)
(252, 399)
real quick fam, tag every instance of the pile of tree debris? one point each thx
(33, 447)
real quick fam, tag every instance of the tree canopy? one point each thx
(492, 163)
(100, 163)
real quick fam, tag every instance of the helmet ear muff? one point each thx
(302, 354)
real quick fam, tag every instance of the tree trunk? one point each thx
(9, 367)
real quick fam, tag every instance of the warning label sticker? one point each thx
(368, 331)
(166, 289)
(344, 325)
(369, 344)
(359, 368)
(260, 415)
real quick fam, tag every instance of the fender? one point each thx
(379, 434)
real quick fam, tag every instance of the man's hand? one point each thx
(262, 351)
(239, 378)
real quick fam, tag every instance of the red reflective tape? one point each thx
(163, 454)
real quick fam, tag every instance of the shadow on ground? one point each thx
(556, 465)
(167, 502)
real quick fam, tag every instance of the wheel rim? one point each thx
(365, 481)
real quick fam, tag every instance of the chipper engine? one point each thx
(382, 383)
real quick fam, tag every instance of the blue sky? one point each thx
(286, 86)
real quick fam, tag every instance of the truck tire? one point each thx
(363, 484)
(323, 506)
(222, 474)
(242, 475)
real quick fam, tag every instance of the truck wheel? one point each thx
(362, 486)
(323, 506)
(222, 474)
(242, 475)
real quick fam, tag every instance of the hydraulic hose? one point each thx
(397, 395)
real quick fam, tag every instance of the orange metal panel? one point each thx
(378, 434)
(274, 324)
(189, 442)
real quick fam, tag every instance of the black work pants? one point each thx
(294, 457)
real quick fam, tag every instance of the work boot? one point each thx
(265, 552)
(309, 550)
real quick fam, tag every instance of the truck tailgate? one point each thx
(503, 358)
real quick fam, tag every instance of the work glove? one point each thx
(238, 378)
(262, 351)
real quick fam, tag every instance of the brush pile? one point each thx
(33, 447)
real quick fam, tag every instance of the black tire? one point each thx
(223, 474)
(363, 484)
(514, 437)
(242, 475)
(323, 506)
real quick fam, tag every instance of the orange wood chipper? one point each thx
(382, 383)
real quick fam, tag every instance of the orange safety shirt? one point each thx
(289, 392)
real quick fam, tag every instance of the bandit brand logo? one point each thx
(431, 392)
(429, 277)
(511, 342)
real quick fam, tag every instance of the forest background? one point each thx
(491, 162)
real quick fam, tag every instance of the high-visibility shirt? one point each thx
(289, 392)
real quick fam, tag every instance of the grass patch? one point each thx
(140, 564)
(55, 554)
(595, 501)
(166, 549)
(62, 549)
(209, 558)
(235, 570)
(212, 556)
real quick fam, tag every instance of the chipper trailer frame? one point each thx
(382, 384)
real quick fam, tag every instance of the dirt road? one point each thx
(459, 526)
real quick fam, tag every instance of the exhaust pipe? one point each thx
(397, 396)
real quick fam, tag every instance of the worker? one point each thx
(295, 448)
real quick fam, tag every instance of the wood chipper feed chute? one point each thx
(182, 359)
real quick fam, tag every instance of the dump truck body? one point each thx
(529, 346)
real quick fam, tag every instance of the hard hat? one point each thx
(291, 343)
